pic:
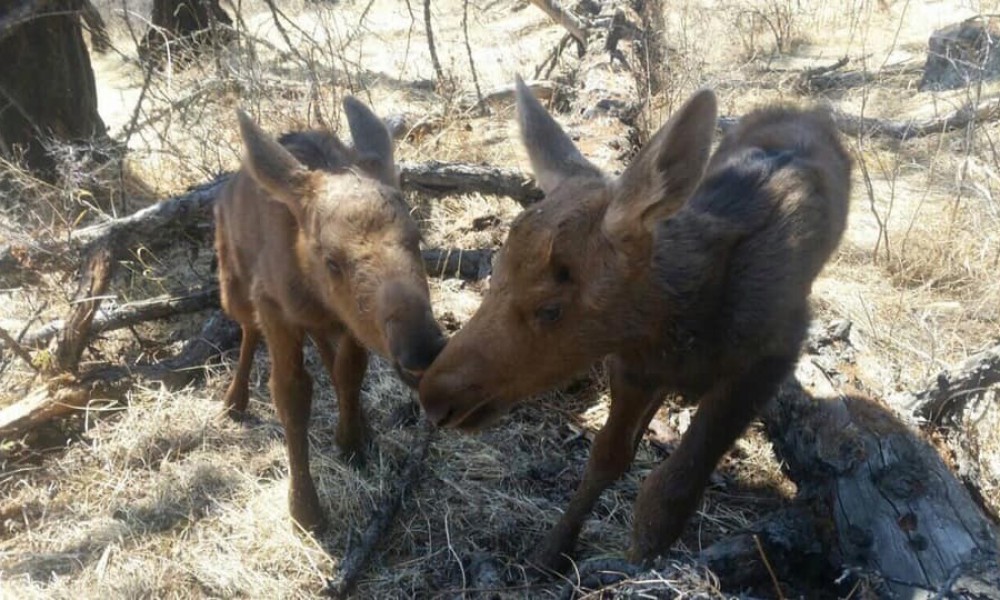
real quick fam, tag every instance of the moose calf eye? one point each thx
(333, 267)
(549, 314)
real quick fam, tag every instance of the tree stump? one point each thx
(182, 28)
(962, 54)
(48, 87)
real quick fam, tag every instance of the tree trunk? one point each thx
(182, 25)
(47, 86)
(100, 41)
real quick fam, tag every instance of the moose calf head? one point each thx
(560, 296)
(357, 245)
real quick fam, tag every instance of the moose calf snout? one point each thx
(413, 336)
(453, 396)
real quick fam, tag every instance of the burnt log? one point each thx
(889, 509)
(962, 54)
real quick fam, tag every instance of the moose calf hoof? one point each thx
(309, 518)
(231, 413)
(551, 558)
(236, 400)
(647, 548)
(353, 443)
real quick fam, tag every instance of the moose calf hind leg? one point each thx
(670, 494)
(238, 392)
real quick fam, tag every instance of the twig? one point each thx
(770, 570)
(572, 23)
(17, 349)
(358, 557)
(552, 58)
(94, 281)
(438, 71)
(468, 49)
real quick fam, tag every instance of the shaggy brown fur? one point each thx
(685, 283)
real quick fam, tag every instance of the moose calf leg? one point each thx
(291, 390)
(348, 373)
(633, 404)
(238, 393)
(671, 492)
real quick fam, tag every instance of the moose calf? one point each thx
(314, 237)
(687, 284)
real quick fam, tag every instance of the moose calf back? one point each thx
(772, 206)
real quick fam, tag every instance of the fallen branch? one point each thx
(17, 348)
(94, 281)
(161, 222)
(946, 395)
(470, 265)
(807, 78)
(569, 21)
(62, 396)
(542, 89)
(904, 130)
(157, 221)
(132, 313)
(66, 393)
(358, 556)
(461, 178)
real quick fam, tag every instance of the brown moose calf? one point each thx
(315, 238)
(686, 284)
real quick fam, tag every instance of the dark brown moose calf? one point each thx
(687, 284)
(314, 237)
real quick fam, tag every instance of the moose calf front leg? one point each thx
(349, 372)
(670, 494)
(633, 404)
(291, 390)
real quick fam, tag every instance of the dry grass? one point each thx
(160, 499)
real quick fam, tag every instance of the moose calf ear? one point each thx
(665, 172)
(371, 140)
(272, 166)
(554, 157)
